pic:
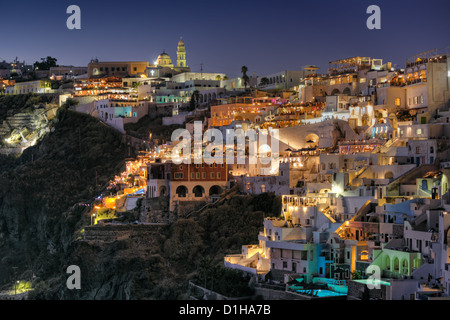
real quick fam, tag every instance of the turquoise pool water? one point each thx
(373, 282)
(321, 293)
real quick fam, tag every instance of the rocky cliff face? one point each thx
(40, 193)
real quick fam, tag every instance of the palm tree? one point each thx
(245, 78)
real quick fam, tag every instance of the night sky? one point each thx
(266, 36)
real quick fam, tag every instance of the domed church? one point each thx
(164, 60)
(164, 65)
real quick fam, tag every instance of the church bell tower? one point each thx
(181, 54)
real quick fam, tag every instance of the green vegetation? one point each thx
(356, 275)
(69, 103)
(264, 81)
(228, 282)
(404, 115)
(214, 233)
(103, 214)
(194, 102)
(41, 192)
(245, 77)
(46, 63)
(18, 103)
(146, 124)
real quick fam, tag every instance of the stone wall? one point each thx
(110, 233)
(156, 110)
(186, 207)
(361, 266)
(360, 291)
(272, 294)
(155, 210)
(197, 292)
(397, 230)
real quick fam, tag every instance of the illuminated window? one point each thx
(397, 102)
(419, 131)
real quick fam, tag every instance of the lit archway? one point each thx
(395, 265)
(387, 262)
(312, 140)
(417, 262)
(335, 92)
(389, 175)
(404, 266)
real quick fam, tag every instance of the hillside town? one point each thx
(359, 161)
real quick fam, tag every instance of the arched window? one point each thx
(215, 190)
(198, 191)
(387, 262)
(396, 265)
(181, 191)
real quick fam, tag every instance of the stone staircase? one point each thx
(19, 121)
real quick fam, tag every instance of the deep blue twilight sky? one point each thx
(266, 36)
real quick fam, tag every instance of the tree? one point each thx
(195, 98)
(245, 77)
(136, 85)
(356, 275)
(46, 63)
(264, 81)
(69, 103)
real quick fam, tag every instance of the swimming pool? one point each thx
(373, 282)
(321, 293)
